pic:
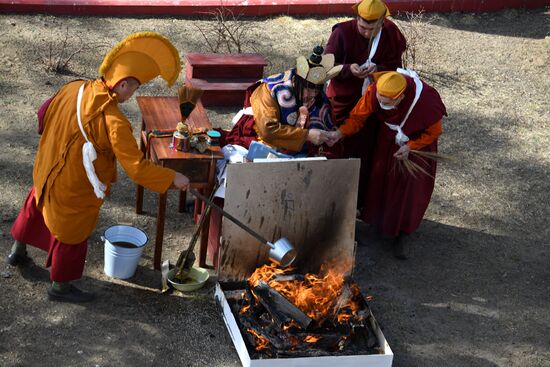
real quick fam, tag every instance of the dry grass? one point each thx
(415, 169)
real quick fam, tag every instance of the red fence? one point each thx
(248, 7)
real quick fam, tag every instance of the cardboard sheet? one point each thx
(312, 203)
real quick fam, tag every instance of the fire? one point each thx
(288, 313)
(311, 339)
(261, 342)
(315, 295)
(266, 273)
(244, 308)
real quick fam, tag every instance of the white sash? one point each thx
(368, 63)
(400, 137)
(89, 154)
(244, 111)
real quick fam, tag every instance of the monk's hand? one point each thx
(181, 182)
(334, 137)
(302, 117)
(358, 71)
(317, 136)
(371, 68)
(403, 152)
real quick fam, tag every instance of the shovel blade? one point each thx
(186, 267)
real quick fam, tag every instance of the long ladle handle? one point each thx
(232, 218)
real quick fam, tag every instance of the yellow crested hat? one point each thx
(390, 84)
(371, 9)
(318, 68)
(143, 56)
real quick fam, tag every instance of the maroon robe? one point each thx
(349, 47)
(344, 91)
(394, 200)
(243, 133)
(66, 261)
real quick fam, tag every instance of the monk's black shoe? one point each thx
(401, 247)
(73, 295)
(15, 259)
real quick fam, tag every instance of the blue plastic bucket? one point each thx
(122, 262)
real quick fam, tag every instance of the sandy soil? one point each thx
(477, 289)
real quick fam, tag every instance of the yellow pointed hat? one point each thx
(143, 56)
(371, 9)
(390, 84)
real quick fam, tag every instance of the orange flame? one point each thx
(311, 339)
(261, 342)
(316, 295)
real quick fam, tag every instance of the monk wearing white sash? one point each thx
(84, 134)
(408, 114)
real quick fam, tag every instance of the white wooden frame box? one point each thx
(313, 204)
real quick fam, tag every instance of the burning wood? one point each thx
(287, 314)
(281, 310)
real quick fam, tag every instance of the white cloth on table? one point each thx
(232, 154)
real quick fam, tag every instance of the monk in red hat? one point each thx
(408, 114)
(84, 134)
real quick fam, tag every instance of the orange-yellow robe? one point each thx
(267, 122)
(63, 193)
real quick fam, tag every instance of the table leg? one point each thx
(198, 207)
(160, 230)
(204, 232)
(183, 198)
(139, 199)
(139, 188)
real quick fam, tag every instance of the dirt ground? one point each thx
(477, 288)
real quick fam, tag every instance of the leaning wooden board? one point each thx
(312, 203)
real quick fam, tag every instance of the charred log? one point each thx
(265, 331)
(275, 327)
(281, 310)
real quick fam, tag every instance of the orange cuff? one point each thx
(350, 127)
(427, 137)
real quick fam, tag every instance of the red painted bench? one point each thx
(223, 78)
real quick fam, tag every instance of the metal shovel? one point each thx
(187, 257)
(282, 251)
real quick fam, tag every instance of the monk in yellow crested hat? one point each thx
(371, 10)
(142, 56)
(390, 84)
(84, 134)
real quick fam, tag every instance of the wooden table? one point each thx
(163, 113)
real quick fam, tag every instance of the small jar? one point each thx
(180, 142)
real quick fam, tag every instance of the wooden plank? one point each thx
(312, 203)
(223, 84)
(237, 67)
(163, 113)
(215, 59)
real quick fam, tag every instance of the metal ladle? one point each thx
(282, 251)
